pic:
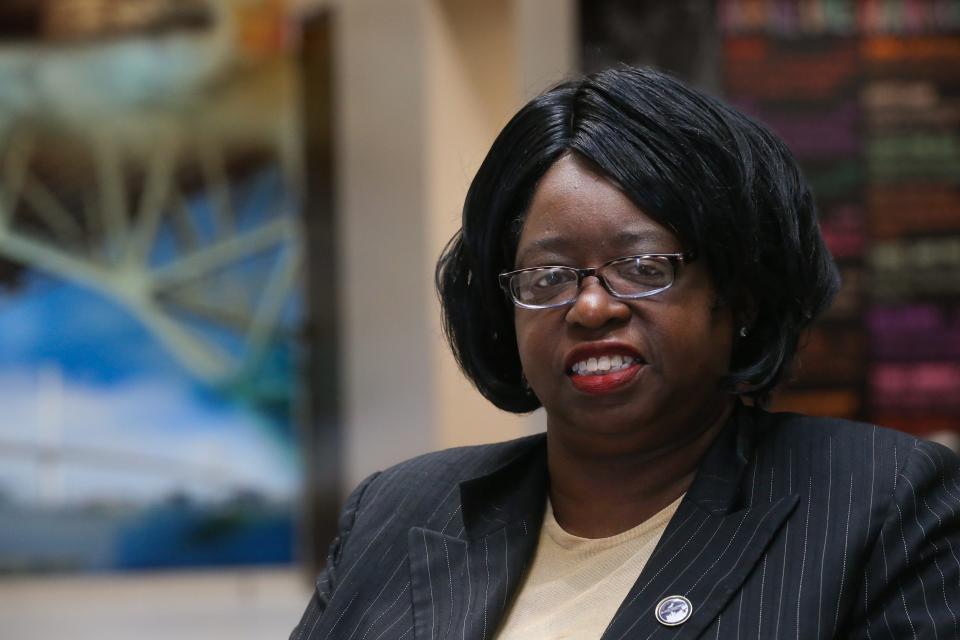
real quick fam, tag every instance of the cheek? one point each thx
(535, 342)
(526, 342)
(693, 343)
(717, 356)
(721, 338)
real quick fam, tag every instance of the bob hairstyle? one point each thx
(728, 188)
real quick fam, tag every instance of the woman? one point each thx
(641, 260)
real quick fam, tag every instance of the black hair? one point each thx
(728, 188)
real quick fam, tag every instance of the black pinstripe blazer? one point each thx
(794, 527)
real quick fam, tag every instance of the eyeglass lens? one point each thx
(629, 277)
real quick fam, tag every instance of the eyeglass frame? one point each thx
(675, 259)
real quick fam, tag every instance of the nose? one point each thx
(595, 306)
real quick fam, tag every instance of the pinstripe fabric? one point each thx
(795, 528)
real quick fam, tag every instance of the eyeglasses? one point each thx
(627, 278)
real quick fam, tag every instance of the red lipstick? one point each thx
(605, 382)
(596, 382)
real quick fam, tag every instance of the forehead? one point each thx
(575, 211)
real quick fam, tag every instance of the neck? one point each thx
(597, 495)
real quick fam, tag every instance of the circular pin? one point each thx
(673, 610)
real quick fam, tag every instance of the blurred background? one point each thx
(218, 224)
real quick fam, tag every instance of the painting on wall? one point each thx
(150, 303)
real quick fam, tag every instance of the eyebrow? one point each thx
(556, 244)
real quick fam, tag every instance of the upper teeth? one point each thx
(602, 364)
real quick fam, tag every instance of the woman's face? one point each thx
(666, 353)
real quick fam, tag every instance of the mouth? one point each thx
(603, 371)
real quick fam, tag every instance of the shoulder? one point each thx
(460, 463)
(794, 429)
(426, 486)
(817, 453)
(835, 444)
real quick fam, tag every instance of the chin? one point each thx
(643, 415)
(608, 416)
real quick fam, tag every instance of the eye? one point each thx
(545, 285)
(643, 268)
(549, 278)
(633, 275)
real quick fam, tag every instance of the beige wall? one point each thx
(240, 604)
(423, 88)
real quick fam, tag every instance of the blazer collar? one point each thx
(517, 489)
(710, 546)
(712, 543)
(715, 488)
(461, 586)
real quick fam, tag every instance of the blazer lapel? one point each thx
(710, 546)
(461, 585)
(705, 560)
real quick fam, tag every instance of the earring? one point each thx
(743, 331)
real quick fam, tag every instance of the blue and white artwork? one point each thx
(114, 455)
(150, 309)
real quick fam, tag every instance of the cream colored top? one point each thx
(574, 585)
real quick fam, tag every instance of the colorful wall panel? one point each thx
(867, 94)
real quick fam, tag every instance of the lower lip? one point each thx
(607, 382)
